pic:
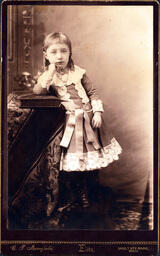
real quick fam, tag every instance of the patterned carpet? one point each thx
(122, 216)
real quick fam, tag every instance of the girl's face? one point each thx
(58, 53)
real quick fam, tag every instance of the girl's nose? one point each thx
(59, 55)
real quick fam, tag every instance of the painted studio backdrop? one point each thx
(115, 46)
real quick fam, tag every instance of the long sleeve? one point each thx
(92, 94)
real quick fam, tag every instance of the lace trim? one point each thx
(74, 77)
(62, 92)
(81, 92)
(91, 160)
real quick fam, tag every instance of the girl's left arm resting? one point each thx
(92, 94)
(96, 103)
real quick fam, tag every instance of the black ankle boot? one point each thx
(84, 200)
(83, 196)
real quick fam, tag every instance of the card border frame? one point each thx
(156, 117)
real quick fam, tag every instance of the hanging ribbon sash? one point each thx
(75, 122)
(79, 130)
(91, 137)
(70, 125)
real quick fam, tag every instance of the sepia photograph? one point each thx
(79, 95)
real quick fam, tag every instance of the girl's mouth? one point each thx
(59, 63)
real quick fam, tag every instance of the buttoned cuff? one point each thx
(97, 106)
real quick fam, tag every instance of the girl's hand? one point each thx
(51, 69)
(97, 120)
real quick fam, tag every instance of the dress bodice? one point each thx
(71, 89)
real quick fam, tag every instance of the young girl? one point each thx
(86, 145)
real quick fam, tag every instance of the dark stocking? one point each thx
(80, 188)
(73, 188)
(65, 189)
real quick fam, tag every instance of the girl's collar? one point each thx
(74, 76)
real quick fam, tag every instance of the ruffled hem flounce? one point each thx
(92, 160)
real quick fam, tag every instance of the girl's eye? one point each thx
(64, 50)
(54, 52)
